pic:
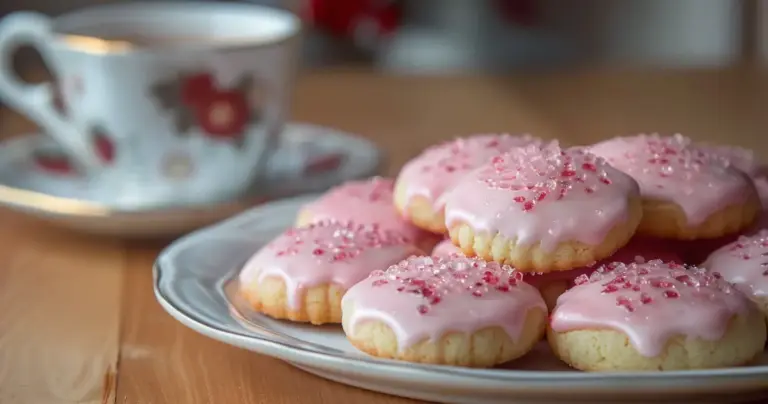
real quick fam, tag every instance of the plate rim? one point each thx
(747, 377)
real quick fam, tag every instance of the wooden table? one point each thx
(78, 319)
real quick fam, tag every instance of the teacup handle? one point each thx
(36, 100)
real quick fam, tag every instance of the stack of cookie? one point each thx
(598, 234)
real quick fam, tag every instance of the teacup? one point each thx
(166, 103)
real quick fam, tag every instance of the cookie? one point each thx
(423, 180)
(688, 193)
(456, 311)
(543, 209)
(655, 316)
(744, 263)
(446, 249)
(367, 202)
(302, 274)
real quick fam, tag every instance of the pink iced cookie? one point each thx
(744, 160)
(543, 209)
(655, 316)
(457, 311)
(689, 192)
(744, 263)
(302, 274)
(423, 180)
(446, 249)
(364, 202)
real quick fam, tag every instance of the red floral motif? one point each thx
(57, 162)
(103, 145)
(53, 162)
(196, 100)
(197, 88)
(224, 114)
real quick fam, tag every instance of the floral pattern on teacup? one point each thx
(55, 161)
(197, 101)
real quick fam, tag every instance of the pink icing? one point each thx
(438, 167)
(672, 169)
(364, 202)
(651, 303)
(744, 160)
(446, 249)
(744, 263)
(426, 297)
(325, 253)
(740, 158)
(547, 195)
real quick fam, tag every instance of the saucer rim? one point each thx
(46, 204)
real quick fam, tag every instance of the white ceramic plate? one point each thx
(309, 159)
(194, 279)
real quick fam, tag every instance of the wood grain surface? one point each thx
(78, 318)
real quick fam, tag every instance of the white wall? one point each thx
(669, 32)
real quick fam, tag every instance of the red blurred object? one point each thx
(520, 12)
(345, 18)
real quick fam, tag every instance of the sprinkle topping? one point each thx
(534, 175)
(673, 157)
(436, 279)
(333, 241)
(651, 303)
(744, 263)
(643, 283)
(463, 154)
(673, 168)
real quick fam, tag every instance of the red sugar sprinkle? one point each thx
(610, 288)
(423, 309)
(625, 303)
(502, 288)
(589, 167)
(379, 282)
(527, 206)
(685, 279)
(581, 279)
(671, 294)
(645, 298)
(318, 251)
(656, 283)
(490, 278)
(477, 293)
(605, 180)
(568, 173)
(519, 199)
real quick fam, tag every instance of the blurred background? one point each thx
(437, 36)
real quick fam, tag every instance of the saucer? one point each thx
(308, 159)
